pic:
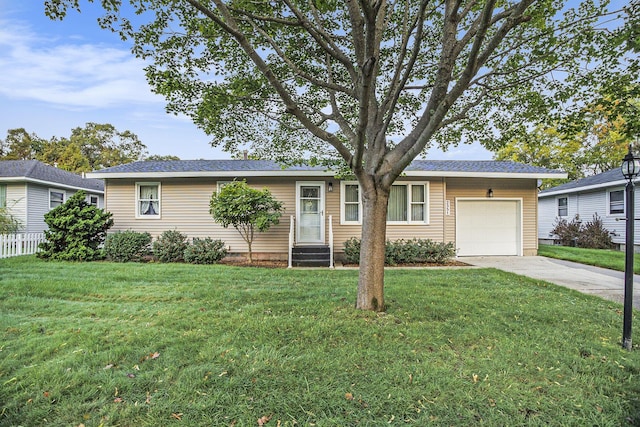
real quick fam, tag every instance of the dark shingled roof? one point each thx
(613, 177)
(271, 166)
(33, 169)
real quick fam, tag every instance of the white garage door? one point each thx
(488, 227)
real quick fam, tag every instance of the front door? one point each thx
(310, 212)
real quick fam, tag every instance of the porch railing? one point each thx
(20, 244)
(330, 241)
(292, 238)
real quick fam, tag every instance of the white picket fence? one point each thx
(19, 244)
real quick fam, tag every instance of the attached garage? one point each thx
(488, 227)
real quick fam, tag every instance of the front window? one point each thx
(616, 202)
(408, 203)
(352, 205)
(56, 198)
(93, 200)
(563, 206)
(148, 200)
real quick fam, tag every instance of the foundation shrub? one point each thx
(170, 246)
(413, 251)
(127, 246)
(205, 251)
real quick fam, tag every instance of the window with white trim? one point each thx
(563, 206)
(148, 200)
(616, 202)
(56, 198)
(93, 200)
(350, 202)
(408, 203)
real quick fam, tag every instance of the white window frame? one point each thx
(139, 215)
(624, 202)
(90, 197)
(566, 206)
(407, 184)
(56, 190)
(343, 216)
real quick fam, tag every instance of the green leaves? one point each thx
(246, 209)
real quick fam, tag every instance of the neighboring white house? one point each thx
(602, 194)
(29, 189)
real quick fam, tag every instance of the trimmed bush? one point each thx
(170, 246)
(127, 246)
(76, 231)
(205, 251)
(414, 251)
(591, 234)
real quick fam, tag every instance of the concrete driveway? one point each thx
(602, 282)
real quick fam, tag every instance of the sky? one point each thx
(59, 75)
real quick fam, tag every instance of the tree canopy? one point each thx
(94, 146)
(373, 82)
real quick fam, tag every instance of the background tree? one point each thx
(246, 209)
(375, 82)
(21, 145)
(589, 142)
(94, 146)
(158, 157)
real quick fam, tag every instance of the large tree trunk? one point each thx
(372, 248)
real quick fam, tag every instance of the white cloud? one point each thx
(66, 74)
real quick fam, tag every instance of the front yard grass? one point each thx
(103, 344)
(610, 259)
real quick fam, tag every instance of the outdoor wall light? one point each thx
(490, 193)
(330, 187)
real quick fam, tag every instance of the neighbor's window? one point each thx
(148, 200)
(616, 202)
(351, 203)
(408, 203)
(563, 206)
(56, 198)
(3, 195)
(93, 200)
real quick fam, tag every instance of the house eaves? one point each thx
(265, 168)
(584, 189)
(48, 183)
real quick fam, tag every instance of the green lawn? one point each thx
(104, 344)
(611, 259)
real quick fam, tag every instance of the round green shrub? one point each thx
(170, 246)
(205, 251)
(127, 246)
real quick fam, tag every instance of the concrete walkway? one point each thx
(608, 284)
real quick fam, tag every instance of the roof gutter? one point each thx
(47, 183)
(316, 173)
(620, 183)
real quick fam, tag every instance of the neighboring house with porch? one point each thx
(29, 189)
(602, 194)
(484, 207)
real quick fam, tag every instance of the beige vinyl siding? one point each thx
(17, 202)
(184, 206)
(525, 189)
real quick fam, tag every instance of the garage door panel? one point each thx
(488, 227)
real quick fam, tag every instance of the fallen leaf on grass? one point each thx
(177, 416)
(348, 396)
(118, 400)
(264, 420)
(151, 356)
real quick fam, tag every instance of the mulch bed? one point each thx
(283, 264)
